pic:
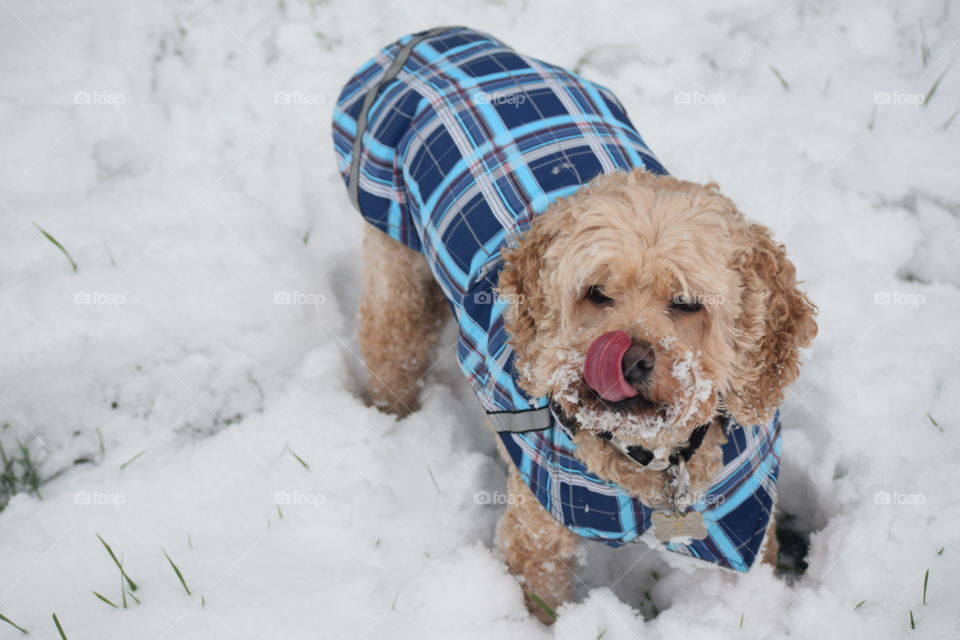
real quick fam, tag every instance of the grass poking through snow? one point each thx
(104, 598)
(435, 485)
(543, 605)
(936, 85)
(56, 243)
(299, 459)
(19, 472)
(177, 571)
(776, 72)
(132, 460)
(13, 624)
(123, 574)
(56, 621)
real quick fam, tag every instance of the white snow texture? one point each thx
(180, 152)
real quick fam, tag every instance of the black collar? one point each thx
(640, 454)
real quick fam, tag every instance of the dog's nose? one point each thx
(638, 361)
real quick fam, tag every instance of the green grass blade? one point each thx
(543, 605)
(860, 604)
(435, 485)
(57, 244)
(105, 599)
(926, 578)
(14, 624)
(177, 571)
(953, 116)
(56, 621)
(299, 459)
(913, 625)
(123, 573)
(132, 460)
(776, 72)
(936, 85)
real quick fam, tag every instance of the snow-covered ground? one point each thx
(205, 345)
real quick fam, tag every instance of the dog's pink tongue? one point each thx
(603, 368)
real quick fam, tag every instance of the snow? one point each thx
(181, 153)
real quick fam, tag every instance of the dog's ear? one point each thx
(524, 281)
(776, 321)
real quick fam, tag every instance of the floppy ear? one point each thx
(776, 321)
(524, 282)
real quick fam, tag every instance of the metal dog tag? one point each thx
(667, 526)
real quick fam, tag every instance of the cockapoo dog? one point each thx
(629, 334)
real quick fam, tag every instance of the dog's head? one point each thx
(642, 302)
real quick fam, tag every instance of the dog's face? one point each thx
(642, 302)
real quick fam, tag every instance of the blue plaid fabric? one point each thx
(463, 148)
(463, 143)
(736, 509)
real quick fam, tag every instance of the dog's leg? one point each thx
(537, 548)
(401, 315)
(772, 548)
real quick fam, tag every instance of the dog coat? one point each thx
(452, 143)
(736, 508)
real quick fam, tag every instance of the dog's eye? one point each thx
(685, 303)
(596, 295)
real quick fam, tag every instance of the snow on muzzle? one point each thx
(603, 368)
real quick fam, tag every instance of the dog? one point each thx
(629, 334)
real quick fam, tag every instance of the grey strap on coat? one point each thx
(520, 421)
(353, 187)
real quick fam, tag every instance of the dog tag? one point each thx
(667, 526)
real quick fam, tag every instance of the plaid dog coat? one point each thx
(736, 508)
(452, 143)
